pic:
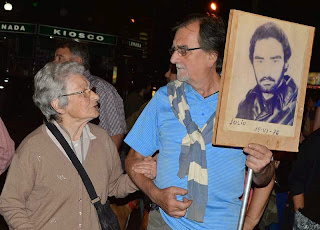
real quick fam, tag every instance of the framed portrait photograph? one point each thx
(263, 82)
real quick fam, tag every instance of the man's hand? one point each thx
(258, 159)
(147, 167)
(167, 200)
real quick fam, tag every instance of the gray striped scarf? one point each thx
(192, 161)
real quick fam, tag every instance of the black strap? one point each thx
(75, 161)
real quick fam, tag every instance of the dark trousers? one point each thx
(156, 221)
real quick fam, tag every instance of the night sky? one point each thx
(113, 17)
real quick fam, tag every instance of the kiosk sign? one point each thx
(79, 34)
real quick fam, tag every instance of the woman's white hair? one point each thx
(50, 82)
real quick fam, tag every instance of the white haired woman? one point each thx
(43, 190)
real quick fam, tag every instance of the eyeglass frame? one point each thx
(173, 49)
(79, 92)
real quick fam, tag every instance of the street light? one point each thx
(213, 6)
(7, 6)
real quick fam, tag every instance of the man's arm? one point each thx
(299, 173)
(165, 198)
(259, 160)
(117, 139)
(298, 201)
(258, 203)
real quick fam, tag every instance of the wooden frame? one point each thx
(240, 75)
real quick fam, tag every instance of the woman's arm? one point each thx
(258, 203)
(18, 187)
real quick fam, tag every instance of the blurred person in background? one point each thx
(6, 148)
(141, 93)
(171, 74)
(316, 123)
(309, 112)
(304, 182)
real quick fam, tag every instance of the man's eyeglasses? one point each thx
(86, 93)
(182, 50)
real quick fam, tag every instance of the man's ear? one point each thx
(78, 59)
(213, 57)
(55, 105)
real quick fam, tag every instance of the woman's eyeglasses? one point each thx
(86, 93)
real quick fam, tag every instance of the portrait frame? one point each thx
(239, 77)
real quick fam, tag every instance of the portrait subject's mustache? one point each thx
(267, 78)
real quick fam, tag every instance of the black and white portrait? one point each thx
(264, 79)
(273, 98)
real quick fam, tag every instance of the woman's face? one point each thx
(82, 103)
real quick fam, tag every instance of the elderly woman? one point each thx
(43, 190)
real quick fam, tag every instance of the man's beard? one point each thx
(270, 89)
(183, 77)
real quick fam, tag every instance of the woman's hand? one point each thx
(147, 167)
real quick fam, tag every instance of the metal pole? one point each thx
(245, 199)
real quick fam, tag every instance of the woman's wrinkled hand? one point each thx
(147, 167)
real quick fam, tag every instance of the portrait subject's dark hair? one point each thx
(270, 30)
(77, 50)
(212, 33)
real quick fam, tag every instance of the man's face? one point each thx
(62, 55)
(194, 64)
(268, 64)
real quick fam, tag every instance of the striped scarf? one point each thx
(192, 160)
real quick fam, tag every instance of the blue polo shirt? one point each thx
(157, 128)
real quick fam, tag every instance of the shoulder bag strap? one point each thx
(75, 161)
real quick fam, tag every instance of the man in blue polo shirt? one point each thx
(197, 185)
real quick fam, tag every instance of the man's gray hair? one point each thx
(51, 82)
(212, 33)
(77, 49)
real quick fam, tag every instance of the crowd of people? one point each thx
(169, 156)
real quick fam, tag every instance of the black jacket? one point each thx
(305, 176)
(279, 109)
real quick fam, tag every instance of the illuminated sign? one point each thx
(79, 34)
(13, 27)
